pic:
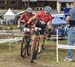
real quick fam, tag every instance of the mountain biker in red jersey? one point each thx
(44, 20)
(22, 23)
(25, 16)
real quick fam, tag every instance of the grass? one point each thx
(5, 46)
(6, 26)
(49, 56)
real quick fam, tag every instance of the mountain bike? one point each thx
(25, 45)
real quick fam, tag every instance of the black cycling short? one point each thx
(42, 26)
(42, 31)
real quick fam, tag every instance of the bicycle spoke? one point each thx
(23, 50)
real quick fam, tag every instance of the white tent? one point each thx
(9, 15)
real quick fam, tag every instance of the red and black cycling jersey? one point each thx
(43, 17)
(25, 16)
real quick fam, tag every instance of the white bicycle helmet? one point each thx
(29, 10)
(47, 9)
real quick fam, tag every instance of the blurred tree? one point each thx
(6, 3)
(28, 3)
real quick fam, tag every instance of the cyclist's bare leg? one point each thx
(43, 45)
(40, 43)
(33, 45)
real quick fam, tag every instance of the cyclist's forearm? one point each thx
(31, 19)
(49, 25)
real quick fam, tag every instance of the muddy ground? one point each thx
(11, 57)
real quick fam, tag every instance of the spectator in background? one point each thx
(71, 32)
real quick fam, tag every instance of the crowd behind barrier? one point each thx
(4, 22)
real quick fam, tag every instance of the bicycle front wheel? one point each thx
(23, 48)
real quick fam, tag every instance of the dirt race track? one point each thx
(12, 58)
(16, 61)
